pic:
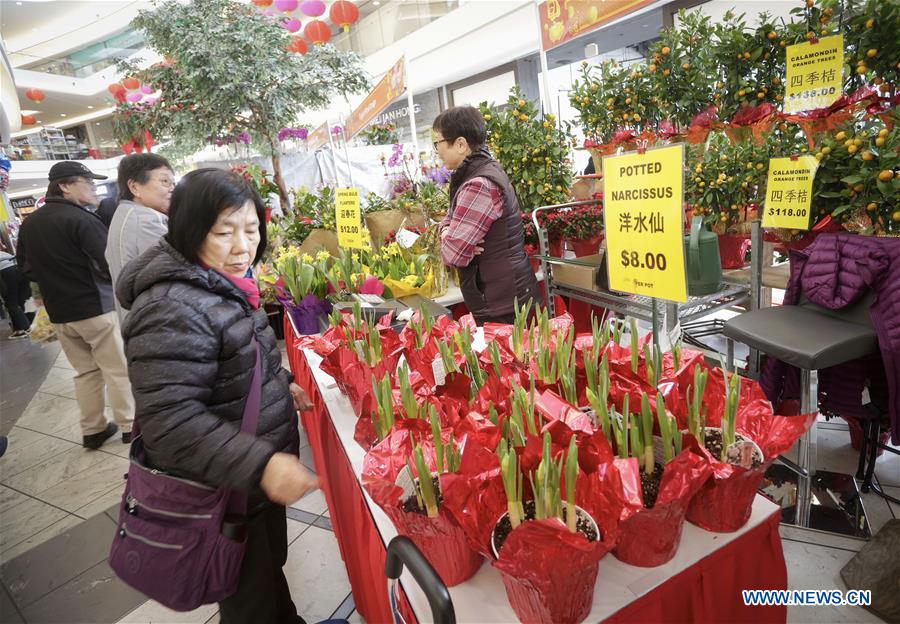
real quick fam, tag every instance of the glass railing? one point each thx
(91, 59)
(389, 23)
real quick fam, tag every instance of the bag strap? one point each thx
(252, 406)
(237, 501)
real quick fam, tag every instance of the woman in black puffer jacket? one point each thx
(194, 307)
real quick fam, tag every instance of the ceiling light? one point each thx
(90, 107)
(97, 123)
(62, 114)
(32, 184)
(18, 4)
(376, 3)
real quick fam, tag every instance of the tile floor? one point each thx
(58, 507)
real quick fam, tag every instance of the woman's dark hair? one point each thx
(462, 121)
(138, 167)
(54, 190)
(198, 200)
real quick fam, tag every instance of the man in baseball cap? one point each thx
(62, 247)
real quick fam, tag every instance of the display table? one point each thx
(702, 583)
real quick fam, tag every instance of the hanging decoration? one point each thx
(344, 14)
(317, 32)
(285, 6)
(291, 24)
(298, 45)
(115, 88)
(29, 120)
(312, 8)
(262, 3)
(35, 95)
(131, 84)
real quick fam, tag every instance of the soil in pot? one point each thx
(714, 446)
(411, 504)
(583, 525)
(650, 485)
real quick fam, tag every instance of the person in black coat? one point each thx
(194, 308)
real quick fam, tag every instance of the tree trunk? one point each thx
(279, 181)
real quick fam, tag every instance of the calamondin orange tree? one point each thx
(532, 149)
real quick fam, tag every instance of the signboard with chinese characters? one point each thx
(814, 74)
(317, 138)
(563, 20)
(388, 89)
(789, 193)
(349, 218)
(643, 197)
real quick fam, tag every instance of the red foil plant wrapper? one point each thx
(419, 340)
(549, 572)
(651, 536)
(440, 539)
(725, 501)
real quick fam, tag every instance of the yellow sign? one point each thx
(815, 73)
(643, 196)
(789, 193)
(349, 218)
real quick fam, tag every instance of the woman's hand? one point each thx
(301, 400)
(285, 480)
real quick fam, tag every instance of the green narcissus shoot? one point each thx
(633, 334)
(668, 430)
(383, 415)
(492, 413)
(426, 486)
(464, 345)
(591, 362)
(438, 443)
(453, 455)
(695, 394)
(620, 429)
(646, 429)
(416, 489)
(334, 318)
(357, 316)
(545, 483)
(571, 479)
(410, 404)
(512, 482)
(523, 408)
(651, 370)
(729, 417)
(634, 437)
(617, 331)
(494, 352)
(676, 354)
(602, 412)
(520, 324)
(446, 352)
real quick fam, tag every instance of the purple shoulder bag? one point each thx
(169, 543)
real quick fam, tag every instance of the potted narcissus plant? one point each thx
(669, 478)
(403, 476)
(732, 425)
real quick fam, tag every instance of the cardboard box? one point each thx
(585, 275)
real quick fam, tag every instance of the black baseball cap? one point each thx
(72, 169)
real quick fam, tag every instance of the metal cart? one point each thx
(402, 551)
(688, 314)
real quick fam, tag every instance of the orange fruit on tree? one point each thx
(852, 149)
(665, 50)
(840, 136)
(895, 217)
(885, 175)
(867, 155)
(772, 34)
(872, 52)
(879, 142)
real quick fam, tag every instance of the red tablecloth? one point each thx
(709, 591)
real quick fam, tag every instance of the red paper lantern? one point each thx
(115, 88)
(29, 120)
(298, 45)
(262, 3)
(317, 31)
(120, 96)
(344, 13)
(35, 95)
(131, 83)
